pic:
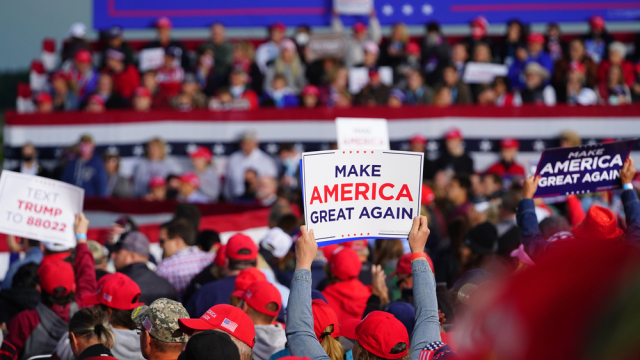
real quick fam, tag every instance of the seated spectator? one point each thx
(481, 54)
(459, 57)
(375, 93)
(614, 91)
(163, 31)
(208, 76)
(248, 157)
(435, 53)
(361, 34)
(22, 292)
(554, 46)
(411, 62)
(267, 190)
(105, 90)
(141, 99)
(392, 49)
(156, 163)
(577, 91)
(302, 37)
(455, 156)
(597, 41)
(190, 89)
(202, 164)
(536, 91)
(239, 88)
(95, 104)
(635, 88)
(188, 190)
(417, 92)
(170, 75)
(63, 97)
(459, 195)
(160, 334)
(160, 99)
(269, 51)
(115, 41)
(44, 103)
(507, 166)
(157, 189)
(504, 97)
(514, 38)
(288, 65)
(29, 162)
(221, 48)
(534, 53)
(617, 55)
(460, 92)
(83, 78)
(279, 95)
(125, 76)
(87, 171)
(396, 98)
(243, 56)
(225, 101)
(310, 95)
(76, 41)
(479, 27)
(562, 67)
(90, 335)
(443, 97)
(117, 185)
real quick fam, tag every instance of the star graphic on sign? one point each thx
(407, 9)
(138, 150)
(485, 145)
(427, 9)
(218, 149)
(538, 145)
(112, 150)
(387, 10)
(272, 148)
(433, 146)
(592, 142)
(191, 147)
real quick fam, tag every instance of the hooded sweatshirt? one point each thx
(126, 345)
(348, 298)
(269, 340)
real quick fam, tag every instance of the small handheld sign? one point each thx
(38, 208)
(582, 169)
(362, 134)
(361, 194)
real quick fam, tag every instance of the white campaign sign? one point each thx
(151, 59)
(362, 133)
(361, 194)
(353, 7)
(39, 208)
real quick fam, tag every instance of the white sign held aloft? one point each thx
(361, 194)
(38, 208)
(353, 7)
(362, 133)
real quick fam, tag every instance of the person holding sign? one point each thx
(36, 332)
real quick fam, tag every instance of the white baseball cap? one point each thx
(51, 246)
(277, 242)
(78, 30)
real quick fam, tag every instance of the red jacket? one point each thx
(126, 82)
(348, 298)
(27, 324)
(500, 168)
(628, 73)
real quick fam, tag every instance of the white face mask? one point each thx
(302, 38)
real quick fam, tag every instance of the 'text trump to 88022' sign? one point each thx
(355, 194)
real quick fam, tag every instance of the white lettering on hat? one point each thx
(107, 297)
(147, 324)
(211, 313)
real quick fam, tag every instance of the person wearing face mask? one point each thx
(29, 162)
(87, 170)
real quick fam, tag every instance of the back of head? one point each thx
(326, 328)
(241, 252)
(345, 264)
(553, 225)
(210, 344)
(206, 239)
(379, 336)
(92, 322)
(26, 277)
(264, 302)
(510, 202)
(182, 228)
(57, 282)
(189, 212)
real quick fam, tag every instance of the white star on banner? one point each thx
(218, 149)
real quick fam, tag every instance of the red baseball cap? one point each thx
(164, 22)
(597, 22)
(190, 178)
(454, 133)
(278, 26)
(227, 318)
(323, 316)
(96, 98)
(245, 279)
(83, 56)
(356, 244)
(57, 273)
(359, 27)
(310, 90)
(38, 67)
(116, 291)
(328, 251)
(201, 152)
(417, 138)
(260, 294)
(427, 195)
(157, 181)
(535, 37)
(241, 247)
(379, 332)
(44, 97)
(413, 48)
(220, 256)
(345, 263)
(404, 265)
(509, 143)
(142, 91)
(59, 75)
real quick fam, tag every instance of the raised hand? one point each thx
(306, 249)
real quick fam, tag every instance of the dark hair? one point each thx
(433, 26)
(279, 76)
(180, 228)
(241, 264)
(189, 212)
(223, 90)
(387, 249)
(121, 318)
(26, 277)
(553, 224)
(288, 223)
(510, 201)
(92, 322)
(464, 182)
(305, 27)
(496, 178)
(33, 243)
(287, 146)
(206, 239)
(58, 297)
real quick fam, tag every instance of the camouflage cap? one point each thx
(96, 250)
(161, 320)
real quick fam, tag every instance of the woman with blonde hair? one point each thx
(156, 163)
(289, 65)
(90, 335)
(392, 50)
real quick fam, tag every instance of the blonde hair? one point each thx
(403, 32)
(159, 142)
(246, 49)
(90, 322)
(331, 346)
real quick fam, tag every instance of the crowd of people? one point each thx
(282, 72)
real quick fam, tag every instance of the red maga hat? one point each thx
(278, 26)
(260, 294)
(157, 181)
(44, 97)
(164, 22)
(452, 134)
(359, 27)
(577, 66)
(245, 278)
(379, 332)
(310, 90)
(597, 22)
(404, 265)
(599, 224)
(190, 178)
(227, 318)
(241, 247)
(201, 152)
(142, 91)
(417, 138)
(83, 56)
(221, 256)
(116, 291)
(427, 195)
(413, 48)
(345, 263)
(57, 273)
(323, 316)
(509, 143)
(96, 98)
(535, 37)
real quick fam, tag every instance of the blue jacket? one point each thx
(213, 293)
(516, 70)
(90, 175)
(34, 255)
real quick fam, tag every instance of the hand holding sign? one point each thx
(81, 226)
(628, 172)
(419, 234)
(306, 249)
(530, 186)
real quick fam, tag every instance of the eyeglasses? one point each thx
(140, 329)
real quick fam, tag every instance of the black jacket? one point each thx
(13, 301)
(460, 165)
(151, 285)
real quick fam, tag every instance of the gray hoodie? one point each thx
(269, 340)
(126, 346)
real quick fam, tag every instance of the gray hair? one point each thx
(618, 47)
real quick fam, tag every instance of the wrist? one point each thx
(419, 255)
(81, 237)
(627, 186)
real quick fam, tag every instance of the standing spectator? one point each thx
(83, 78)
(597, 41)
(279, 95)
(104, 90)
(330, 94)
(182, 260)
(270, 50)
(287, 64)
(141, 101)
(507, 166)
(635, 88)
(29, 162)
(396, 98)
(504, 97)
(443, 97)
(435, 53)
(459, 57)
(536, 91)
(577, 91)
(164, 40)
(514, 39)
(87, 171)
(371, 53)
(417, 92)
(115, 41)
(130, 256)
(44, 103)
(481, 54)
(208, 75)
(125, 76)
(76, 41)
(188, 189)
(156, 163)
(554, 46)
(361, 33)
(160, 334)
(23, 294)
(459, 195)
(617, 55)
(117, 185)
(614, 91)
(455, 158)
(239, 88)
(202, 164)
(248, 157)
(222, 49)
(171, 74)
(534, 53)
(310, 95)
(460, 92)
(576, 54)
(392, 50)
(63, 98)
(417, 144)
(33, 254)
(243, 57)
(375, 93)
(302, 37)
(160, 100)
(479, 28)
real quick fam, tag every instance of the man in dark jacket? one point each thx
(87, 171)
(455, 158)
(23, 293)
(130, 256)
(29, 162)
(164, 41)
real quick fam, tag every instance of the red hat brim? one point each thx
(188, 326)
